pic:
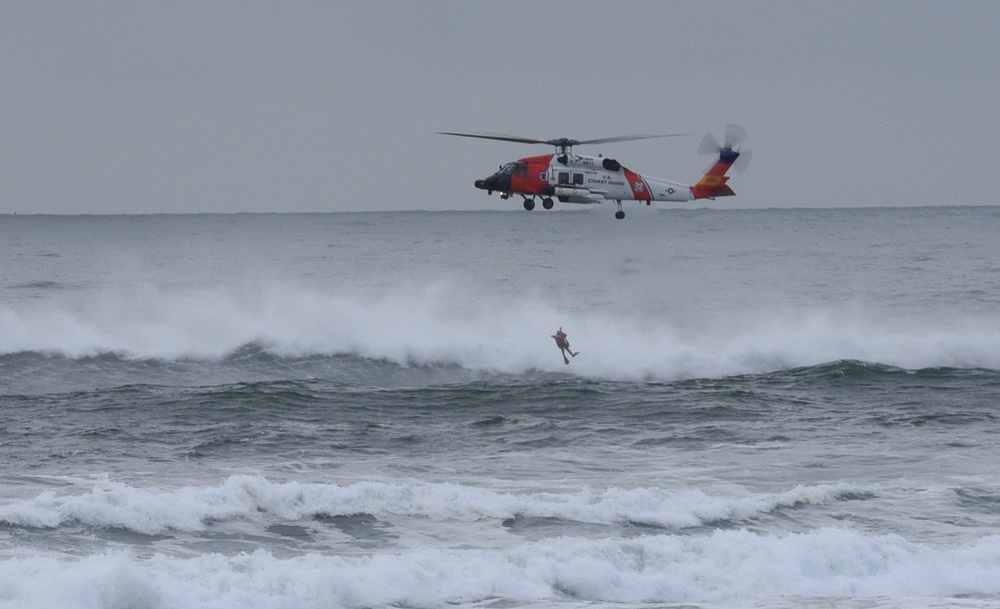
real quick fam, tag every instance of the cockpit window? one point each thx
(522, 170)
(508, 169)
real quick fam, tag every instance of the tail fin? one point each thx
(713, 183)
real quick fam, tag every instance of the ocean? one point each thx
(770, 409)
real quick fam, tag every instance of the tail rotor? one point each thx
(733, 137)
(713, 183)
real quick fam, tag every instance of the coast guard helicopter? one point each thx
(573, 178)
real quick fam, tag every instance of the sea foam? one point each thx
(439, 324)
(730, 567)
(257, 500)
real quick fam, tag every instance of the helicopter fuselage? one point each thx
(574, 178)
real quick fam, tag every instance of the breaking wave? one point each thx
(724, 566)
(438, 326)
(258, 500)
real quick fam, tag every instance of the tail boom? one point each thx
(713, 183)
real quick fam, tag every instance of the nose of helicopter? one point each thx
(498, 181)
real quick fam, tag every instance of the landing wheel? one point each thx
(529, 204)
(620, 214)
(547, 203)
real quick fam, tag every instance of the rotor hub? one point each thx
(563, 144)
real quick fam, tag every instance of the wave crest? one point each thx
(441, 325)
(836, 565)
(258, 500)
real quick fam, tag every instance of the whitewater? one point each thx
(771, 408)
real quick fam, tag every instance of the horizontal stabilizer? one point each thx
(705, 191)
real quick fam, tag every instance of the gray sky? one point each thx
(193, 106)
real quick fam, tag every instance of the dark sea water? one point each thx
(771, 408)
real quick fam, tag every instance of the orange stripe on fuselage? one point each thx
(532, 180)
(640, 190)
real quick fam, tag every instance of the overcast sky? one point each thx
(195, 106)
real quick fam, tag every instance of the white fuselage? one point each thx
(585, 179)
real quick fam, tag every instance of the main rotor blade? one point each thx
(557, 142)
(629, 138)
(503, 138)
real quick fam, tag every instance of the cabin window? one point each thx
(578, 179)
(564, 177)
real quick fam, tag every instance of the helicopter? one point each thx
(573, 178)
